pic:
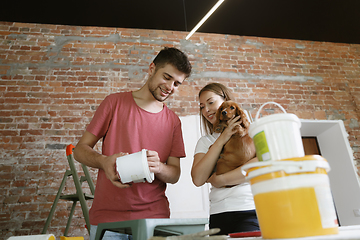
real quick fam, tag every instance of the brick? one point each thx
(45, 105)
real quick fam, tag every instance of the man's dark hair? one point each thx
(174, 57)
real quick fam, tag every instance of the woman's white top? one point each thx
(237, 198)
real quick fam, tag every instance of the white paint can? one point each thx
(134, 168)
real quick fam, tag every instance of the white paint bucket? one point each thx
(277, 136)
(134, 168)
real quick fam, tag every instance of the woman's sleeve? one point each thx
(202, 145)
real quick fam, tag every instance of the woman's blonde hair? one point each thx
(220, 90)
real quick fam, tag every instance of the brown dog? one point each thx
(240, 148)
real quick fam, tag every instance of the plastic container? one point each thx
(134, 168)
(293, 197)
(277, 136)
(34, 237)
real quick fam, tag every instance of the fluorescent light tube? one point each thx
(204, 18)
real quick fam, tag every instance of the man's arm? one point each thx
(169, 172)
(84, 153)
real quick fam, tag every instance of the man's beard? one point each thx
(157, 97)
(153, 92)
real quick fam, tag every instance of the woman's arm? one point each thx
(231, 178)
(204, 163)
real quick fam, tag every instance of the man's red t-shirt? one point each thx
(125, 127)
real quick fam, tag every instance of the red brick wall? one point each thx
(53, 77)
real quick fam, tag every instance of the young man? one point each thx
(128, 122)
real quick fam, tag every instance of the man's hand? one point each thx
(155, 165)
(108, 164)
(84, 153)
(168, 172)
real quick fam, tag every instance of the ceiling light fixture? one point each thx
(204, 18)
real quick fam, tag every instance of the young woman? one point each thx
(232, 209)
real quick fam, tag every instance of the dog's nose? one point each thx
(224, 113)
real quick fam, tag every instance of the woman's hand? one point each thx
(233, 123)
(231, 178)
(216, 180)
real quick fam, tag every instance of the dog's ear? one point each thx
(245, 120)
(216, 127)
(219, 125)
(238, 110)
